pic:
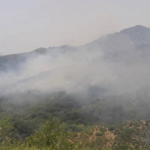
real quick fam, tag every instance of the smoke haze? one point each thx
(114, 62)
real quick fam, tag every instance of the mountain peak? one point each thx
(138, 33)
(136, 29)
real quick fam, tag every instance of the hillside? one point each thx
(98, 94)
(134, 38)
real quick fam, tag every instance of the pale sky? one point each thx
(29, 24)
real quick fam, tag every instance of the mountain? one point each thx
(13, 62)
(136, 35)
(134, 38)
(126, 47)
(124, 44)
(88, 89)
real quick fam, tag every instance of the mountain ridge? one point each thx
(124, 31)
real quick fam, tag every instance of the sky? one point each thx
(26, 25)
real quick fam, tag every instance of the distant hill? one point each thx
(124, 44)
(114, 45)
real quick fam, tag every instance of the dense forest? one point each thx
(62, 121)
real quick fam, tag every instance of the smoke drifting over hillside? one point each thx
(118, 63)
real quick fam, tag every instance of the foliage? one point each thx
(80, 126)
(51, 136)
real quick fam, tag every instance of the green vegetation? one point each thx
(54, 135)
(61, 121)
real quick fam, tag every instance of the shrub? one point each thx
(51, 136)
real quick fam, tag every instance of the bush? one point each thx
(51, 136)
(6, 129)
(23, 128)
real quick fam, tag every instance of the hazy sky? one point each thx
(29, 24)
